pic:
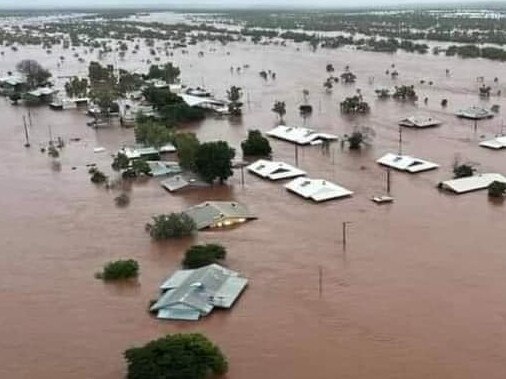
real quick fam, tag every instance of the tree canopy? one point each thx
(177, 356)
(256, 144)
(174, 225)
(203, 255)
(214, 161)
(36, 75)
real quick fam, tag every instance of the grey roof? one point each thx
(194, 293)
(211, 212)
(178, 182)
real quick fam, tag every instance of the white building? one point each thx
(299, 135)
(419, 122)
(406, 163)
(274, 170)
(317, 189)
(472, 183)
(475, 113)
(495, 143)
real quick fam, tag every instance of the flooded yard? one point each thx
(418, 293)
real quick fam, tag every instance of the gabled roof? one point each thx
(419, 122)
(495, 143)
(317, 189)
(472, 183)
(210, 213)
(159, 168)
(43, 91)
(299, 135)
(274, 170)
(190, 294)
(475, 113)
(406, 163)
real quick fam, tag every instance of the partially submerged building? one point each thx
(147, 152)
(191, 294)
(317, 189)
(218, 214)
(472, 183)
(162, 168)
(419, 122)
(406, 163)
(181, 181)
(475, 113)
(209, 103)
(495, 143)
(274, 170)
(300, 136)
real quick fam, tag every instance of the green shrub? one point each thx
(122, 269)
(203, 255)
(174, 225)
(181, 356)
(256, 144)
(97, 176)
(462, 171)
(497, 189)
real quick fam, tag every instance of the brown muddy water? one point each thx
(418, 293)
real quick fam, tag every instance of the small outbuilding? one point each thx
(219, 214)
(191, 294)
(406, 163)
(317, 190)
(274, 170)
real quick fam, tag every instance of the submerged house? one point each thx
(299, 135)
(475, 113)
(147, 152)
(472, 183)
(184, 180)
(317, 190)
(190, 294)
(495, 143)
(218, 214)
(419, 122)
(406, 163)
(274, 170)
(204, 102)
(12, 83)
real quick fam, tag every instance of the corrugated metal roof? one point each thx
(406, 163)
(210, 213)
(473, 183)
(274, 170)
(192, 292)
(317, 189)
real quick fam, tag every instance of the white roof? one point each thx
(274, 170)
(175, 183)
(475, 113)
(406, 163)
(299, 135)
(495, 143)
(472, 183)
(44, 91)
(196, 101)
(317, 189)
(419, 122)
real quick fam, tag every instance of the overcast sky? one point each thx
(219, 3)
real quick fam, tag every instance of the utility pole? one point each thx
(388, 180)
(345, 223)
(400, 140)
(296, 155)
(27, 140)
(320, 281)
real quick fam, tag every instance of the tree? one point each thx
(256, 144)
(36, 75)
(174, 225)
(329, 68)
(348, 77)
(214, 161)
(121, 269)
(462, 171)
(167, 72)
(97, 176)
(181, 356)
(137, 168)
(76, 87)
(280, 109)
(354, 104)
(120, 162)
(405, 93)
(234, 95)
(151, 133)
(497, 189)
(203, 255)
(187, 146)
(355, 140)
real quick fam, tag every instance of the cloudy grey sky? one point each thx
(221, 3)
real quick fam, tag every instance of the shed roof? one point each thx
(495, 143)
(317, 189)
(406, 163)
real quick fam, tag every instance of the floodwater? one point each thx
(418, 293)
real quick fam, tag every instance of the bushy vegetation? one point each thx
(354, 104)
(463, 171)
(152, 133)
(121, 269)
(234, 95)
(256, 144)
(36, 75)
(203, 255)
(173, 225)
(405, 92)
(497, 190)
(213, 161)
(356, 140)
(181, 356)
(97, 176)
(187, 145)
